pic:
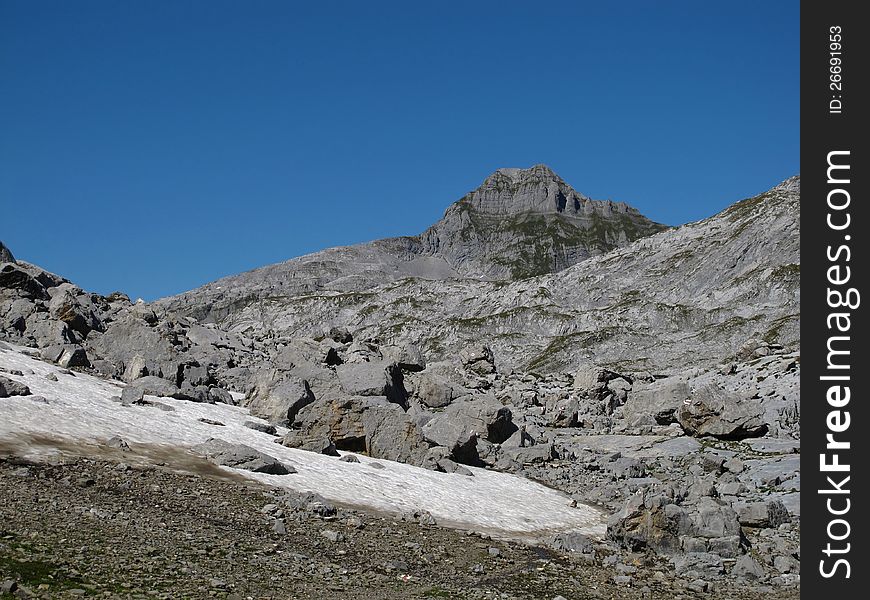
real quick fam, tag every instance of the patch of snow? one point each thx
(80, 409)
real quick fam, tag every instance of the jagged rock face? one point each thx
(6, 254)
(518, 223)
(526, 222)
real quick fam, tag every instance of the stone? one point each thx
(10, 387)
(363, 379)
(240, 456)
(218, 395)
(699, 564)
(332, 536)
(710, 411)
(261, 427)
(573, 542)
(478, 359)
(15, 277)
(135, 369)
(155, 386)
(349, 458)
(278, 398)
(747, 567)
(656, 403)
(434, 391)
(320, 445)
(118, 443)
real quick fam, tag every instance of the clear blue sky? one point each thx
(154, 146)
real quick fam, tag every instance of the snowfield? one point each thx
(79, 409)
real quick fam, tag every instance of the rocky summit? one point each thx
(642, 382)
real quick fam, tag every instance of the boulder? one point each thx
(710, 411)
(218, 395)
(655, 523)
(135, 369)
(392, 434)
(240, 456)
(655, 403)
(317, 444)
(66, 355)
(363, 379)
(155, 386)
(15, 277)
(278, 397)
(71, 306)
(458, 427)
(261, 427)
(407, 356)
(369, 424)
(771, 513)
(10, 387)
(572, 541)
(478, 359)
(562, 411)
(434, 391)
(747, 567)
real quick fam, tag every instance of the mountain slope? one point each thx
(690, 295)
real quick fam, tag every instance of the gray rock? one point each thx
(278, 398)
(320, 445)
(153, 386)
(217, 395)
(363, 379)
(771, 513)
(657, 402)
(10, 387)
(434, 391)
(462, 421)
(135, 369)
(261, 427)
(118, 443)
(240, 456)
(332, 536)
(573, 542)
(699, 564)
(722, 414)
(747, 567)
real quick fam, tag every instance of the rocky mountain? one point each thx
(518, 223)
(689, 295)
(658, 381)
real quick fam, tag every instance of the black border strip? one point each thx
(833, 103)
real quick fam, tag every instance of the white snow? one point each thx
(79, 409)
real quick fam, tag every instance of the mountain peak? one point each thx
(538, 189)
(535, 173)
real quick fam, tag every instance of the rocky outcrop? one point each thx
(721, 414)
(6, 254)
(10, 387)
(239, 456)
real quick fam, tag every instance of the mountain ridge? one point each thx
(525, 223)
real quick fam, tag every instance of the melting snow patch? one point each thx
(79, 408)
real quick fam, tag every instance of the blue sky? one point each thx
(151, 147)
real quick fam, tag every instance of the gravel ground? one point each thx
(118, 527)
